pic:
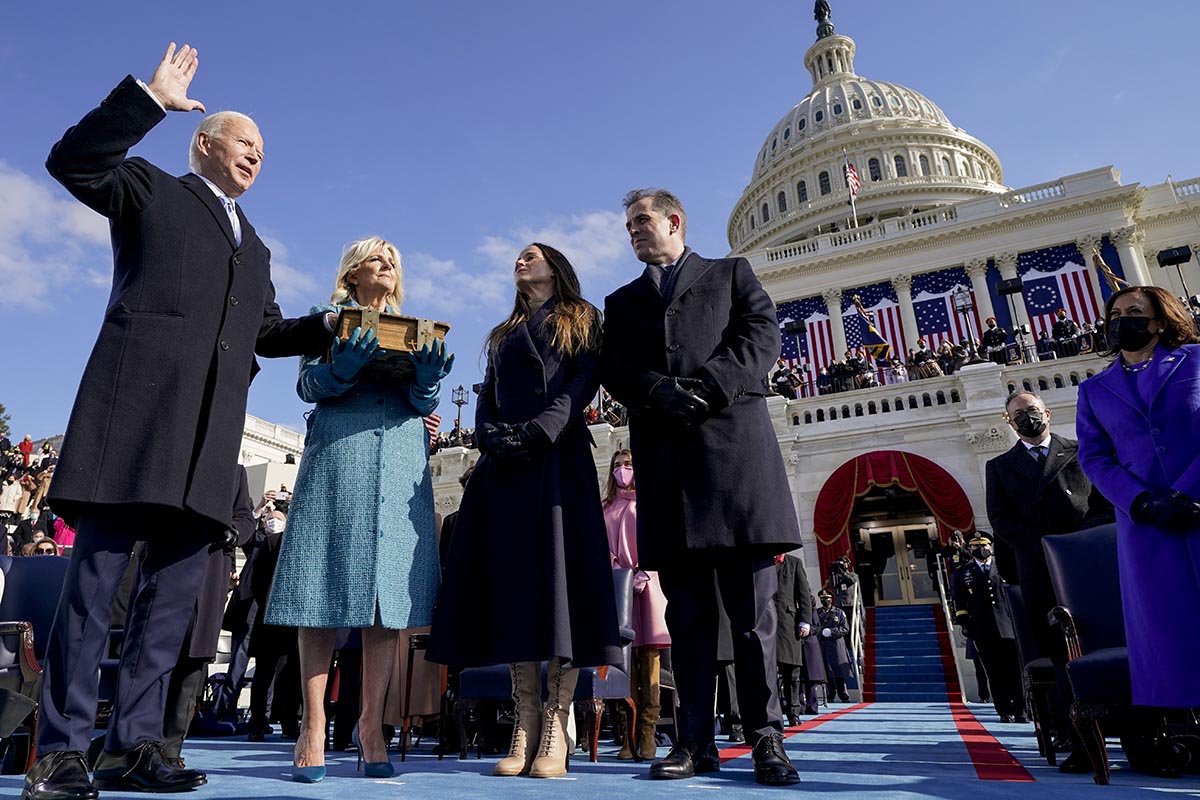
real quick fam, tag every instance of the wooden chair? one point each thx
(1037, 676)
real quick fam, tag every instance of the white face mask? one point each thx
(273, 525)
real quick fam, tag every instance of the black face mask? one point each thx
(1030, 422)
(1129, 333)
(981, 553)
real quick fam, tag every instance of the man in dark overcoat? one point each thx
(797, 649)
(153, 437)
(1037, 489)
(980, 609)
(687, 348)
(1066, 334)
(993, 341)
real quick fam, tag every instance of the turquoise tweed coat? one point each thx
(360, 532)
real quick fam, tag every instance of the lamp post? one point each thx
(459, 398)
(964, 305)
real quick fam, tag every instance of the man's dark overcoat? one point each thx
(528, 574)
(721, 484)
(1027, 501)
(793, 605)
(159, 414)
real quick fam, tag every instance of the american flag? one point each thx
(1055, 278)
(815, 345)
(432, 424)
(851, 178)
(933, 306)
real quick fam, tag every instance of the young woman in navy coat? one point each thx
(528, 578)
(1138, 424)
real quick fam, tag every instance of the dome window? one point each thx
(802, 191)
(894, 100)
(901, 167)
(766, 212)
(781, 201)
(787, 133)
(823, 179)
(752, 226)
(877, 101)
(924, 165)
(820, 115)
(774, 144)
(801, 124)
(946, 166)
(873, 169)
(837, 108)
(856, 104)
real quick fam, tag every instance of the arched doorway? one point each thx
(892, 507)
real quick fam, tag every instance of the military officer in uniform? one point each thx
(994, 341)
(981, 611)
(1066, 334)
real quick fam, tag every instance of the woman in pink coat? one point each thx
(649, 604)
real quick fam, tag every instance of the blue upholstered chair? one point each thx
(32, 585)
(1037, 675)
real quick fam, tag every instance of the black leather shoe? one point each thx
(1063, 745)
(143, 769)
(1021, 718)
(1076, 764)
(676, 764)
(59, 776)
(706, 758)
(771, 764)
(736, 734)
(1006, 718)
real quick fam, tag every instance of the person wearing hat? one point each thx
(832, 628)
(1066, 334)
(994, 341)
(983, 615)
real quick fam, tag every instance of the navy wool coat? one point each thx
(1128, 445)
(722, 484)
(159, 414)
(528, 574)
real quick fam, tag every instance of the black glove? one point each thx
(1172, 510)
(489, 433)
(519, 441)
(229, 542)
(671, 400)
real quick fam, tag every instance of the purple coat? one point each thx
(1126, 448)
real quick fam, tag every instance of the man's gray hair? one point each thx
(1018, 393)
(211, 125)
(662, 201)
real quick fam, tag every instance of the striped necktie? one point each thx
(230, 209)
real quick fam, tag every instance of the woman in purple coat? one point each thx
(1138, 424)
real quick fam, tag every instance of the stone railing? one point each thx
(1034, 194)
(1187, 189)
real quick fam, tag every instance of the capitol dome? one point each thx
(909, 157)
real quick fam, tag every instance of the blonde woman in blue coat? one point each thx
(364, 481)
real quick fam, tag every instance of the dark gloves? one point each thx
(674, 401)
(511, 442)
(1171, 509)
(351, 355)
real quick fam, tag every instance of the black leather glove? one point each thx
(519, 441)
(705, 387)
(675, 403)
(488, 434)
(229, 542)
(1171, 509)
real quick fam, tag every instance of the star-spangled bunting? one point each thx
(1056, 278)
(933, 306)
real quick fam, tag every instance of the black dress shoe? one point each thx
(1076, 764)
(736, 734)
(676, 764)
(59, 776)
(1021, 718)
(143, 769)
(706, 758)
(771, 764)
(1063, 745)
(1006, 718)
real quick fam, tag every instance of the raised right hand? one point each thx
(351, 355)
(172, 78)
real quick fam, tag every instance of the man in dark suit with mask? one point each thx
(152, 443)
(1036, 489)
(687, 348)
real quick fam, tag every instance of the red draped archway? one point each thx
(835, 503)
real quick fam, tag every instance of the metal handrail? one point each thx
(944, 598)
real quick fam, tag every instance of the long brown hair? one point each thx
(1180, 327)
(610, 488)
(574, 322)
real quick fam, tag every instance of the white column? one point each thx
(833, 302)
(1006, 263)
(976, 270)
(903, 285)
(1128, 243)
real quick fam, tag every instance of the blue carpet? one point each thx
(883, 750)
(908, 660)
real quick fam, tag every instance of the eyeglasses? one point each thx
(46, 551)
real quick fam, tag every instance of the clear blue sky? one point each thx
(463, 130)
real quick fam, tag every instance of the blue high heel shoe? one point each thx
(308, 774)
(372, 769)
